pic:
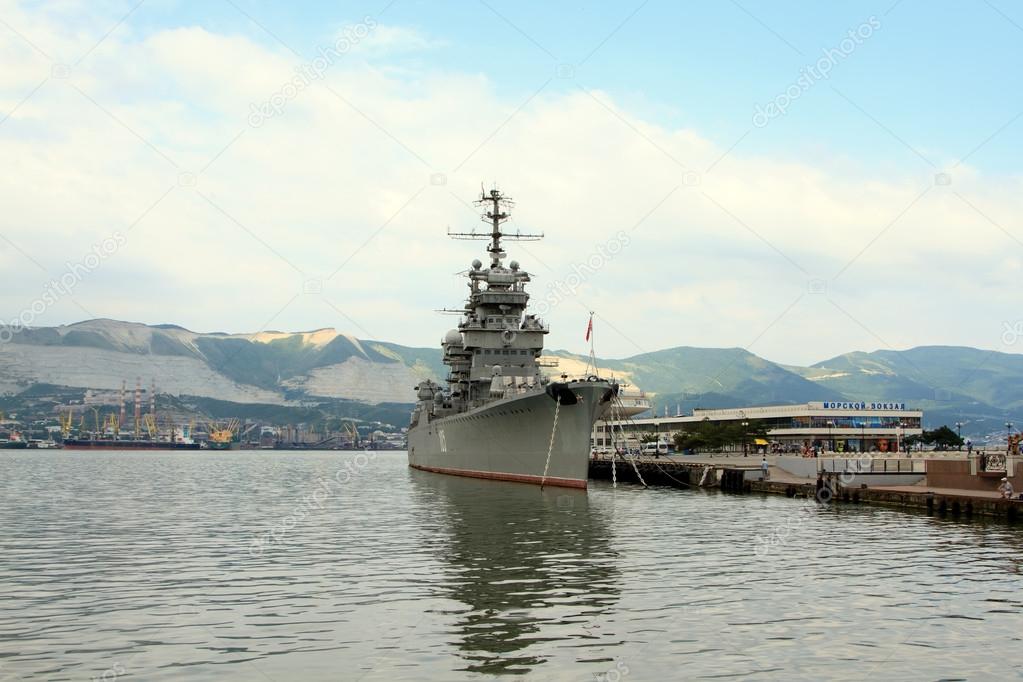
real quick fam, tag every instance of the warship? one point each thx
(499, 416)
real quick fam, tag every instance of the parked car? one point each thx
(657, 449)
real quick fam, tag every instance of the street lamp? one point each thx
(863, 436)
(1008, 436)
(898, 437)
(831, 439)
(745, 424)
(959, 432)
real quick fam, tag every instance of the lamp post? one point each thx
(898, 437)
(745, 424)
(959, 432)
(863, 436)
(1008, 437)
(831, 439)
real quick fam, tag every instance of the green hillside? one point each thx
(713, 377)
(977, 387)
(933, 372)
(982, 389)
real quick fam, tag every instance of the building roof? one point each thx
(813, 409)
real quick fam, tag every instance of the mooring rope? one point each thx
(629, 457)
(665, 472)
(621, 417)
(550, 448)
(632, 460)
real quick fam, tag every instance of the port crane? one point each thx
(110, 425)
(352, 433)
(149, 421)
(65, 423)
(223, 433)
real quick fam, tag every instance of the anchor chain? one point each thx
(550, 448)
(614, 444)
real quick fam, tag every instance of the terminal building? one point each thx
(833, 426)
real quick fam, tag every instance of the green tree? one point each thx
(715, 435)
(941, 437)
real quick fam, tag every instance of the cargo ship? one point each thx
(176, 438)
(112, 444)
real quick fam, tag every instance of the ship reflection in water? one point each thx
(534, 568)
(164, 566)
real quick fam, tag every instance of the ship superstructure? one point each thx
(498, 416)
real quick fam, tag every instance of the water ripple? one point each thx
(263, 565)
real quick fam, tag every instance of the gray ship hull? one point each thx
(508, 439)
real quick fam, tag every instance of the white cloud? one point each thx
(388, 39)
(718, 258)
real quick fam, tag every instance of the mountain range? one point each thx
(982, 389)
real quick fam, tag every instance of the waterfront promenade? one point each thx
(951, 483)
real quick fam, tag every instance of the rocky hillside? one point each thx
(984, 389)
(269, 367)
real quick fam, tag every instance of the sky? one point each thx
(794, 178)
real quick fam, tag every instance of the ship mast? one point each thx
(496, 216)
(495, 212)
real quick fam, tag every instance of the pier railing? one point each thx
(860, 465)
(992, 463)
(872, 465)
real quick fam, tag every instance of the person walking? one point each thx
(765, 471)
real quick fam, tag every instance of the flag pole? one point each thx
(592, 361)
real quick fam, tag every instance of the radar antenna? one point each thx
(495, 211)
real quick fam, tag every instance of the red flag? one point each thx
(589, 328)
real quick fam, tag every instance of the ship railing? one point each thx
(519, 389)
(583, 377)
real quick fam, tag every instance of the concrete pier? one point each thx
(727, 473)
(878, 484)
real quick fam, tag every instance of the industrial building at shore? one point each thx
(846, 426)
